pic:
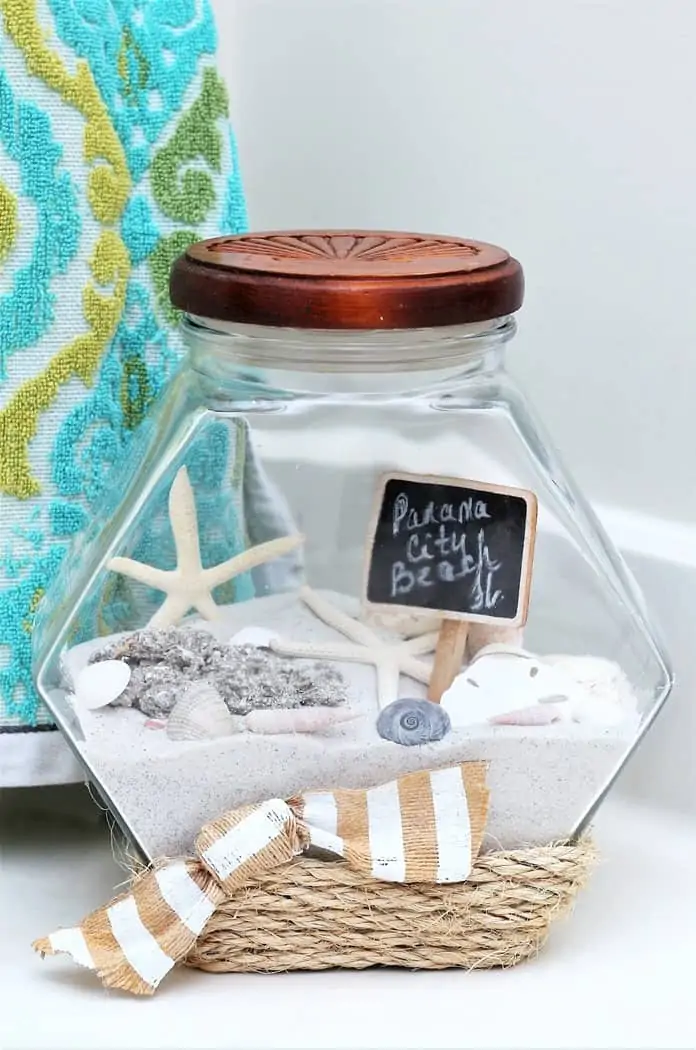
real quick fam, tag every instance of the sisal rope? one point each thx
(316, 915)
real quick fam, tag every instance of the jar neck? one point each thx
(335, 362)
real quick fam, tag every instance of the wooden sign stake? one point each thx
(456, 548)
(449, 656)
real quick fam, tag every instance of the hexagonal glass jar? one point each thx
(318, 364)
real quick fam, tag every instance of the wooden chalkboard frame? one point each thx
(527, 564)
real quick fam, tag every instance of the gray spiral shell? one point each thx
(413, 722)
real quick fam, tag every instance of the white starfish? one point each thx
(190, 586)
(390, 659)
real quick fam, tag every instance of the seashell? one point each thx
(261, 637)
(297, 719)
(201, 714)
(589, 709)
(413, 722)
(536, 715)
(98, 685)
(607, 695)
(504, 683)
(155, 723)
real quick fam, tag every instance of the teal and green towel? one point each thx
(115, 154)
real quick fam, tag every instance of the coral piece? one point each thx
(201, 714)
(260, 679)
(164, 661)
(390, 659)
(190, 586)
(153, 689)
(187, 649)
(413, 722)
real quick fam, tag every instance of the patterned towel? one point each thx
(115, 154)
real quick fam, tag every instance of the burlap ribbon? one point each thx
(424, 827)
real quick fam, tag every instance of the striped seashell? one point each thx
(201, 714)
(297, 719)
(413, 722)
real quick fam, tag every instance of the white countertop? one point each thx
(619, 973)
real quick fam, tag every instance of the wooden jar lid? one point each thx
(346, 279)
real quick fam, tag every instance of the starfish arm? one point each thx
(250, 559)
(172, 611)
(184, 523)
(387, 682)
(415, 669)
(341, 653)
(137, 570)
(336, 618)
(206, 606)
(424, 643)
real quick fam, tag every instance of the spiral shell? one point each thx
(413, 722)
(201, 714)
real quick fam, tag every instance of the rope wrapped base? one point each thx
(316, 915)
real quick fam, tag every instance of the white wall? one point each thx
(562, 130)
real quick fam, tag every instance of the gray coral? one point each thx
(164, 661)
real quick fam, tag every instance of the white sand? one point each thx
(542, 778)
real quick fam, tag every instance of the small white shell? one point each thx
(297, 719)
(201, 714)
(258, 636)
(98, 685)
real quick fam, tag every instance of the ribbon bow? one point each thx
(423, 827)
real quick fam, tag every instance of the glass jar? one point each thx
(320, 365)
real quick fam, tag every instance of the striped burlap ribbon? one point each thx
(424, 827)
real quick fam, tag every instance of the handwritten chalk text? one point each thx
(444, 558)
(436, 514)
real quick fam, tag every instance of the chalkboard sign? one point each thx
(463, 548)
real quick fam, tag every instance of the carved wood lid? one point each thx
(346, 279)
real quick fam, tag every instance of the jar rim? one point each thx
(359, 280)
(216, 345)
